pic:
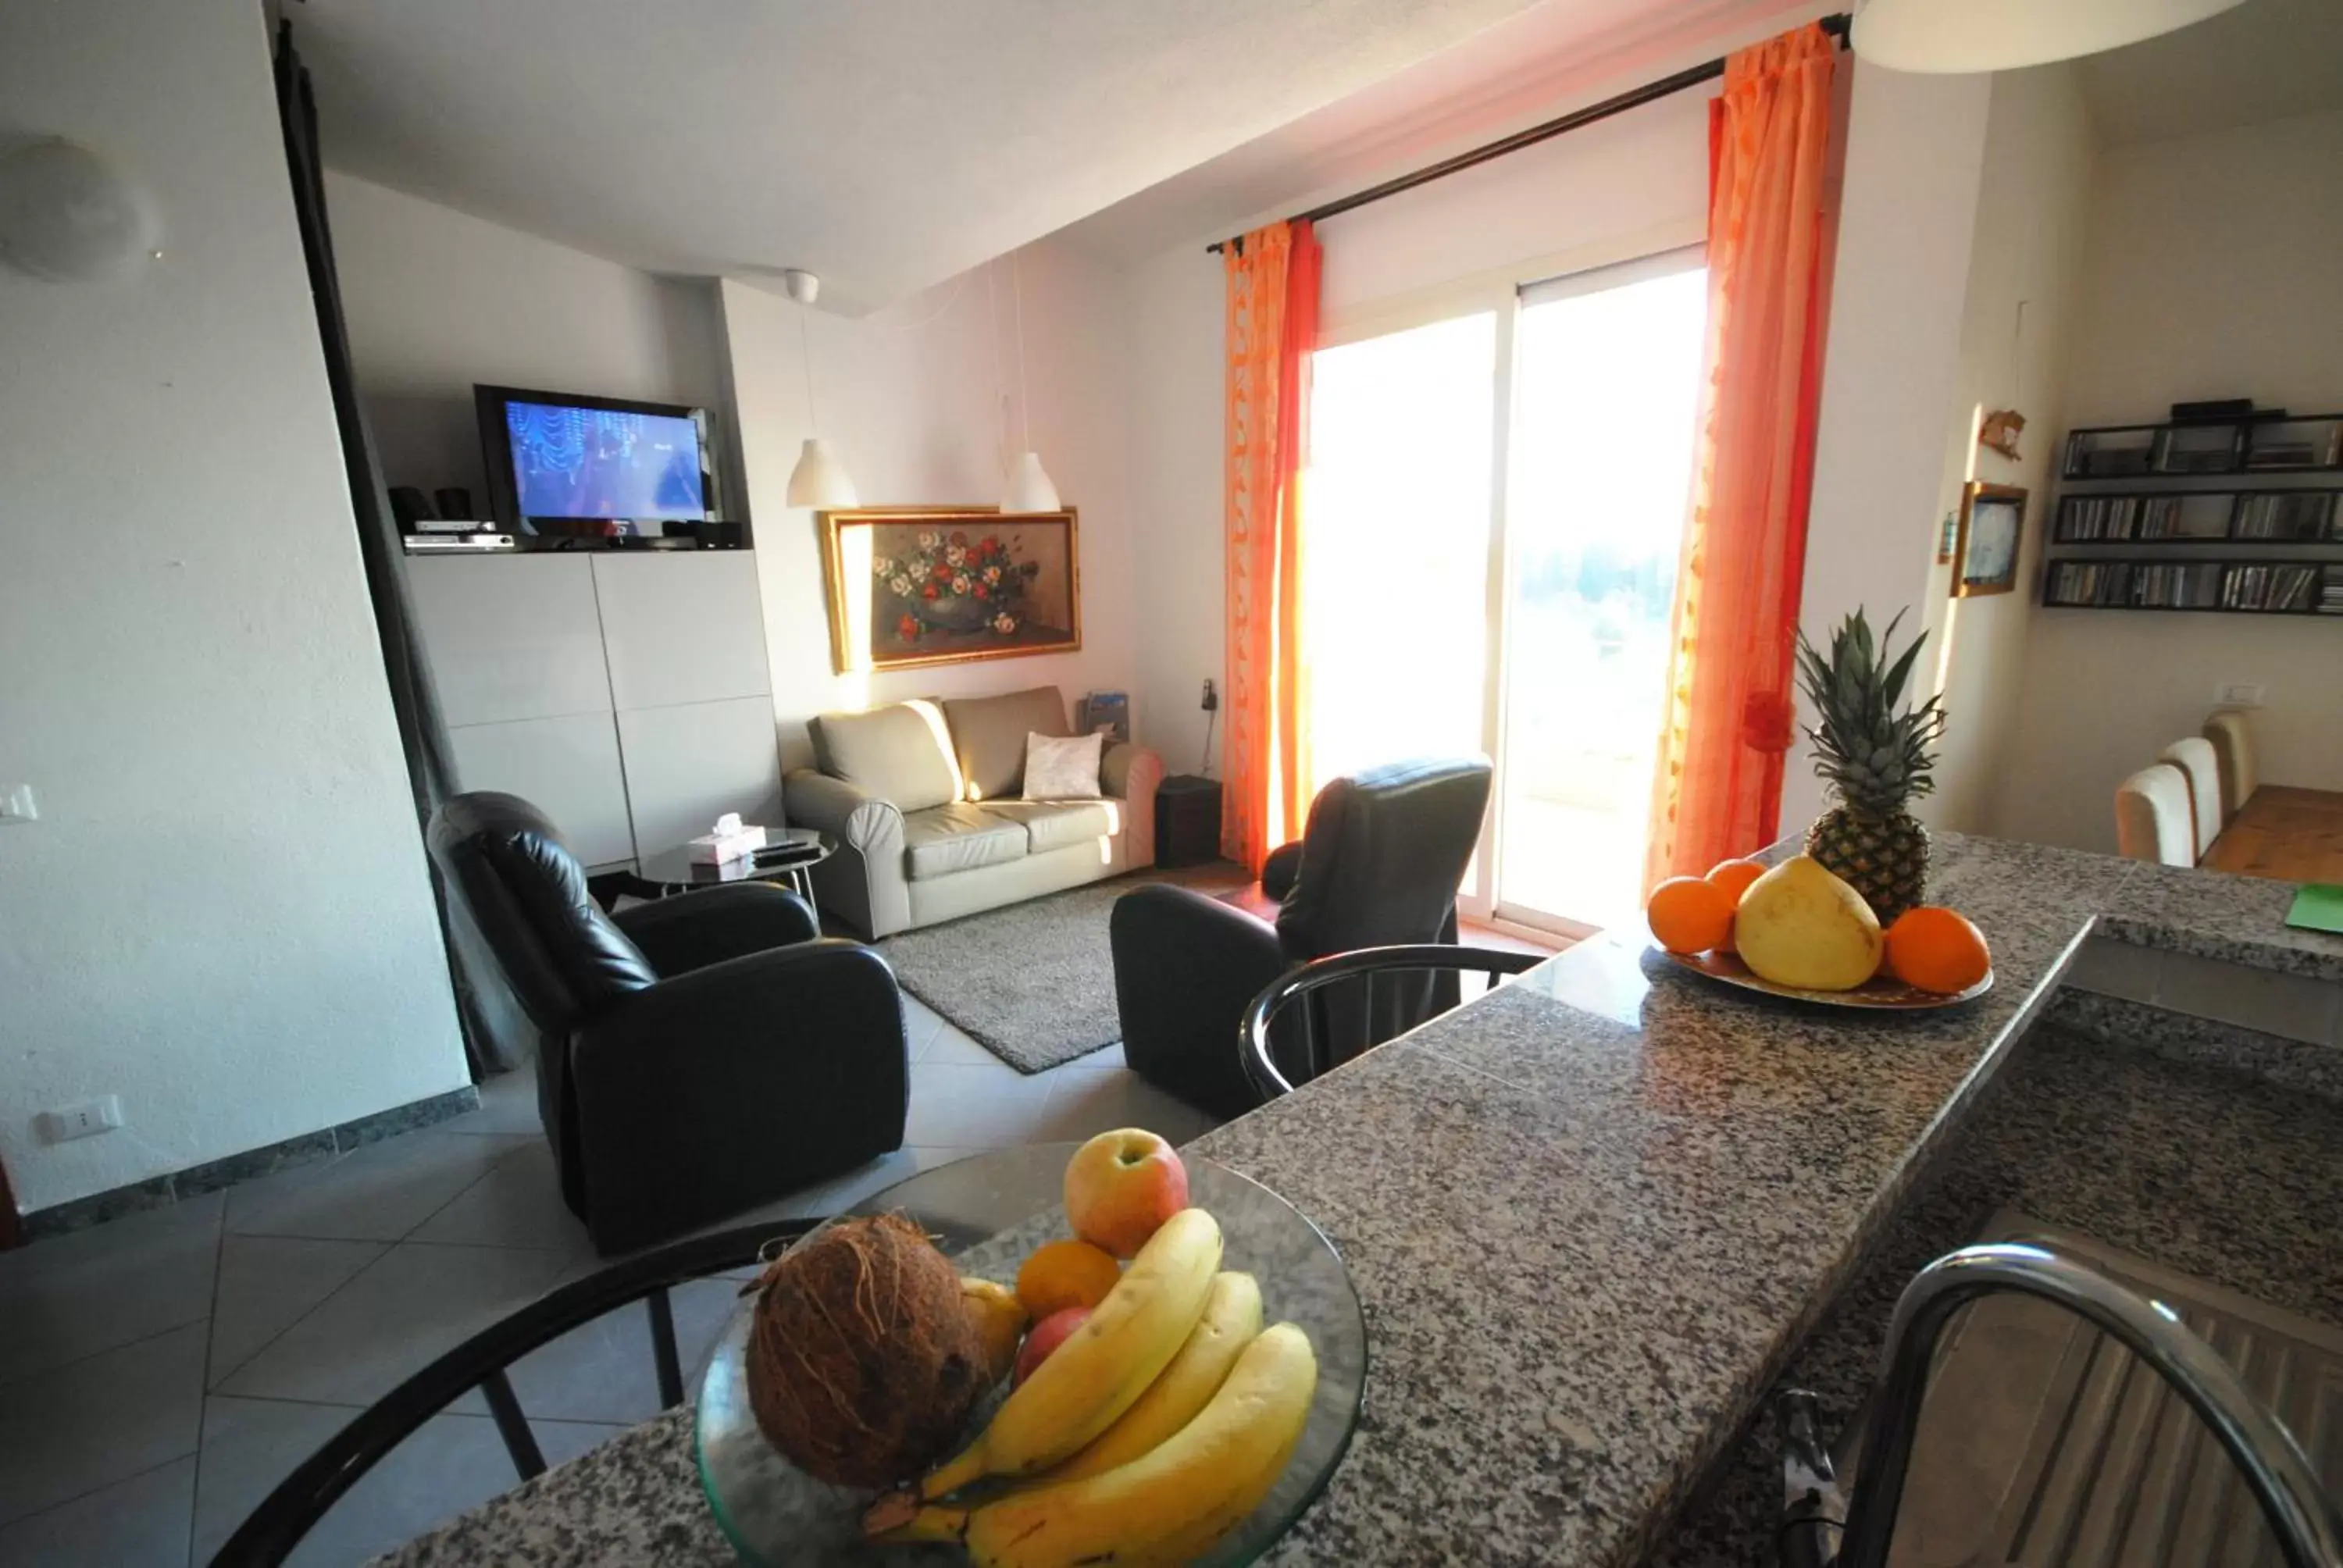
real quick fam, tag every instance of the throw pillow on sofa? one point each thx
(1062, 767)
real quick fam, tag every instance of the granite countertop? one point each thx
(1590, 1217)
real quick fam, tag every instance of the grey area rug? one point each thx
(1033, 983)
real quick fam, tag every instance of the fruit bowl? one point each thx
(1881, 993)
(987, 1213)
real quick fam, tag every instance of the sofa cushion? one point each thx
(958, 837)
(988, 733)
(1055, 824)
(899, 753)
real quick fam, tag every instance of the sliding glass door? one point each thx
(1394, 570)
(1606, 388)
(1495, 504)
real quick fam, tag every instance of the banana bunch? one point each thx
(1153, 1431)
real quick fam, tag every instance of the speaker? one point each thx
(455, 501)
(409, 506)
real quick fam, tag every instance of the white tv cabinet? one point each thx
(625, 693)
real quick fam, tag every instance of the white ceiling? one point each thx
(1543, 62)
(2266, 60)
(884, 143)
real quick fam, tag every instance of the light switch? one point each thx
(17, 805)
(2241, 694)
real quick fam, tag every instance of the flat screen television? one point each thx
(561, 459)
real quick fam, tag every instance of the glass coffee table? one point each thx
(988, 1212)
(675, 871)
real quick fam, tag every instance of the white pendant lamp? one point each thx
(819, 479)
(1029, 488)
(1943, 36)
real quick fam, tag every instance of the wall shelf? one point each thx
(2263, 444)
(2205, 587)
(2256, 517)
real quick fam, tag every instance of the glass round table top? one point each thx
(988, 1212)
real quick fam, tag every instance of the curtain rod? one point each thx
(1835, 25)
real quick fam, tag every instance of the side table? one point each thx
(1187, 820)
(675, 871)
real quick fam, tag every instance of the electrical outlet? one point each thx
(17, 805)
(1212, 699)
(2240, 694)
(88, 1120)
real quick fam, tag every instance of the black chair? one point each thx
(697, 1056)
(273, 1530)
(1362, 971)
(1378, 865)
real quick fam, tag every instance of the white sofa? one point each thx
(923, 798)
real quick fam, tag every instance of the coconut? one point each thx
(863, 1364)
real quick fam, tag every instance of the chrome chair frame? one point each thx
(1366, 966)
(2303, 1518)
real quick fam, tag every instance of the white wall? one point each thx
(2027, 252)
(2215, 268)
(1907, 206)
(907, 398)
(438, 299)
(222, 914)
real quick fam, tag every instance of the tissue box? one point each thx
(727, 845)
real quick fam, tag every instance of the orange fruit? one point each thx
(1061, 1274)
(1690, 915)
(1936, 949)
(1734, 875)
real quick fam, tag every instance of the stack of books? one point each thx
(2278, 516)
(2330, 592)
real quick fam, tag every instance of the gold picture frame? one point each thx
(1992, 538)
(911, 586)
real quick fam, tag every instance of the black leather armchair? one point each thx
(697, 1056)
(1379, 865)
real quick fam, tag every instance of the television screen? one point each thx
(571, 460)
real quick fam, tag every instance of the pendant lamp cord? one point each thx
(992, 338)
(1024, 389)
(805, 345)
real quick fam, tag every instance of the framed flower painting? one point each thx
(912, 585)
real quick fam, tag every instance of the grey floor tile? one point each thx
(507, 1105)
(90, 1291)
(410, 1305)
(990, 1105)
(100, 1420)
(249, 1446)
(379, 1194)
(921, 1023)
(1087, 1100)
(603, 1372)
(451, 1464)
(952, 1048)
(517, 1204)
(141, 1523)
(269, 1283)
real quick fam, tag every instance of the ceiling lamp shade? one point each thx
(1943, 36)
(820, 480)
(1030, 489)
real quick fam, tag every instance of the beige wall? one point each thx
(913, 400)
(2027, 254)
(2215, 268)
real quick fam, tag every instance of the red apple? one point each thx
(1044, 1337)
(1120, 1186)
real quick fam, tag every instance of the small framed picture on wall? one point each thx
(914, 586)
(1993, 524)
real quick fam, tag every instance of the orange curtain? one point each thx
(1730, 718)
(1272, 326)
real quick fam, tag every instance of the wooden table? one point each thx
(2288, 834)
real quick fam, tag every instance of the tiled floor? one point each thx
(158, 1375)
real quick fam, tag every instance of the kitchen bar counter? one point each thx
(1590, 1216)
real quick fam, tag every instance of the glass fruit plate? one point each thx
(1879, 993)
(988, 1212)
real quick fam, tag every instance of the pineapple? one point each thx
(1876, 759)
